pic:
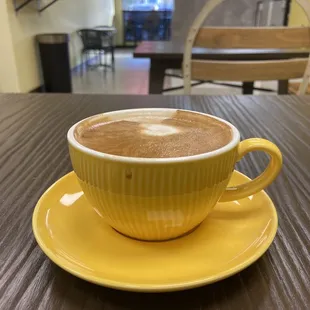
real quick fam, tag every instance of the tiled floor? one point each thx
(131, 77)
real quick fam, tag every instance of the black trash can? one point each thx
(55, 62)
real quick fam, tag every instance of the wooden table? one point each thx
(34, 154)
(169, 55)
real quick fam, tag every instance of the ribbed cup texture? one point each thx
(153, 201)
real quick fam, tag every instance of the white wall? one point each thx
(63, 16)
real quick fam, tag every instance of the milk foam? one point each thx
(158, 130)
(155, 136)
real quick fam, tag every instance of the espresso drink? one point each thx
(154, 136)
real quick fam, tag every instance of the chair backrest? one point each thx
(256, 38)
(91, 39)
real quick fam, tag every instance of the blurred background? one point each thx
(101, 37)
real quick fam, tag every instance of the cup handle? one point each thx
(262, 181)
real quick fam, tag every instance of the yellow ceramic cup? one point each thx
(160, 199)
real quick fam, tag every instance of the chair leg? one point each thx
(86, 61)
(105, 60)
(283, 87)
(82, 64)
(100, 58)
(112, 58)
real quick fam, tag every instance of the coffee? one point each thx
(154, 136)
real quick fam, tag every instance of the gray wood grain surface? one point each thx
(34, 154)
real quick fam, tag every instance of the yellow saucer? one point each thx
(74, 236)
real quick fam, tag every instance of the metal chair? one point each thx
(98, 41)
(255, 37)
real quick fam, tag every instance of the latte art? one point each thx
(144, 136)
(158, 130)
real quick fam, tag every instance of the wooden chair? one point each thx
(256, 37)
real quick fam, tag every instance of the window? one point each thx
(148, 5)
(147, 20)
